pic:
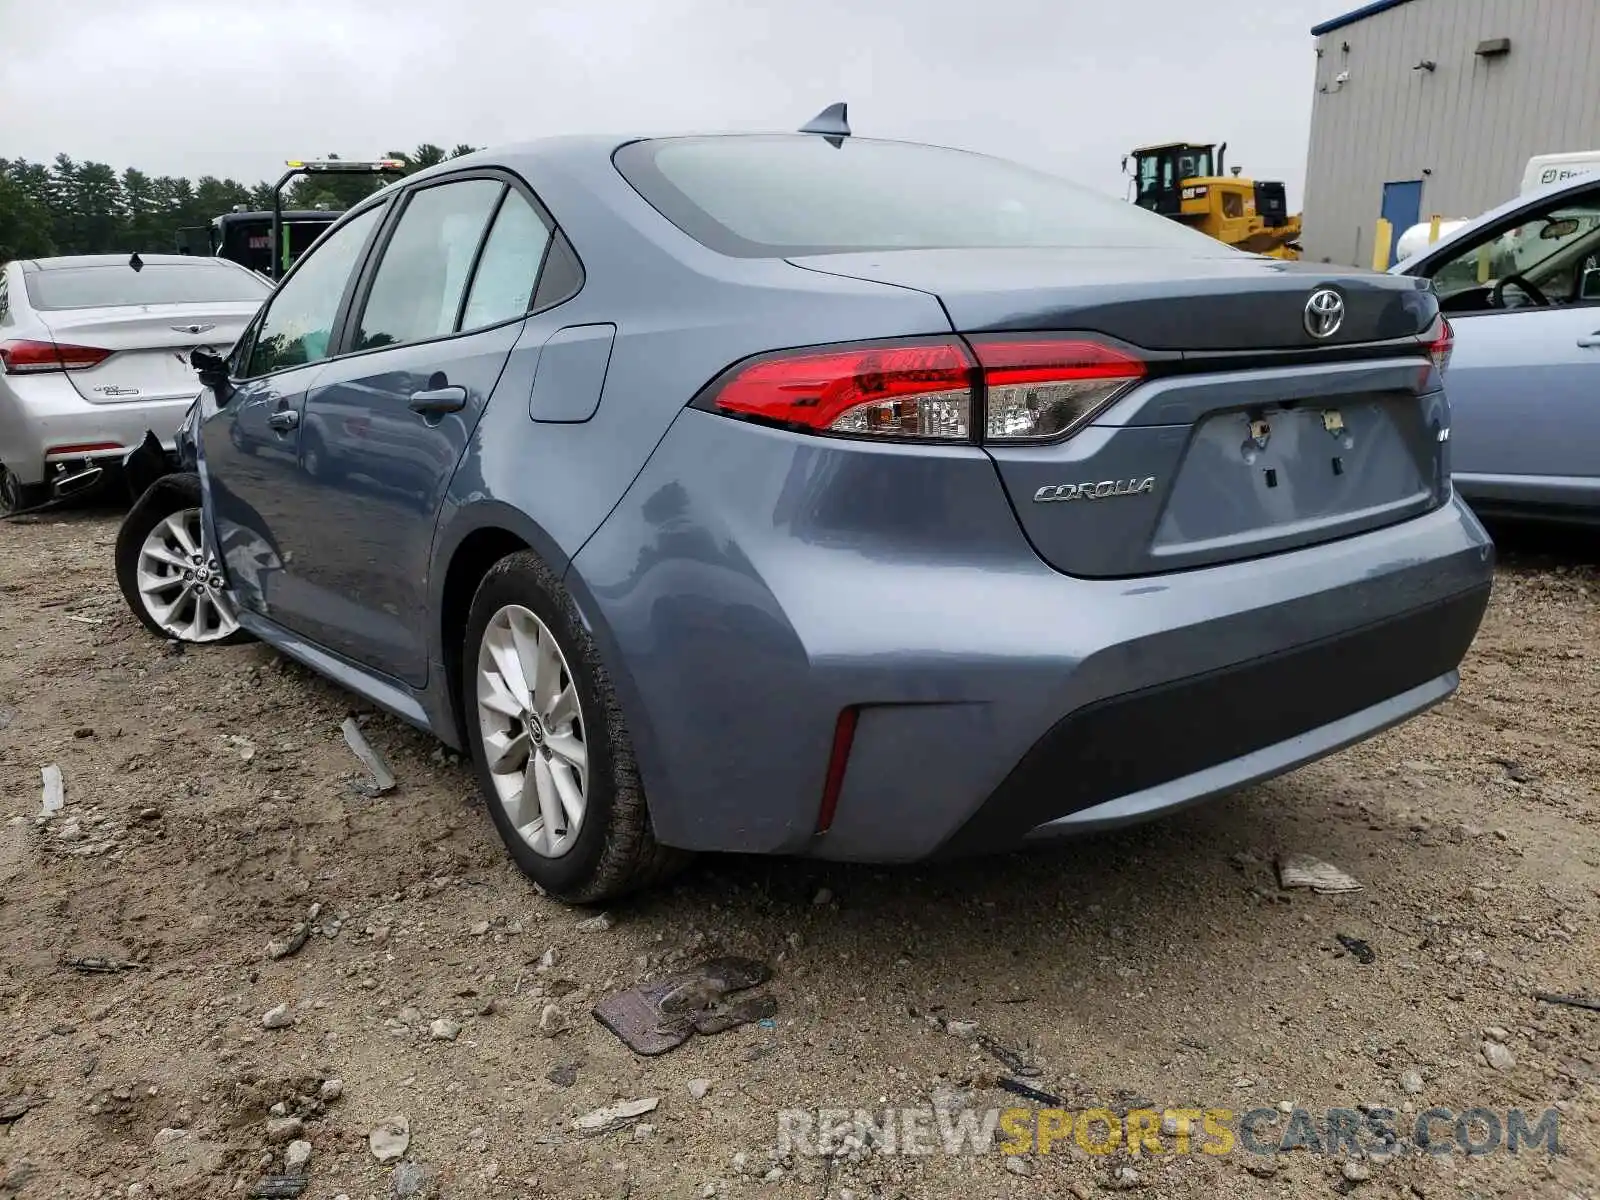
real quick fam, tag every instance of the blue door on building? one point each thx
(1402, 208)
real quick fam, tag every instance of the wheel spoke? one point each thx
(505, 752)
(564, 711)
(550, 807)
(525, 643)
(522, 806)
(178, 528)
(495, 696)
(547, 680)
(569, 750)
(162, 554)
(506, 662)
(566, 788)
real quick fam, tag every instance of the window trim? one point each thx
(1444, 255)
(340, 313)
(369, 269)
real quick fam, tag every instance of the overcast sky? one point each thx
(220, 87)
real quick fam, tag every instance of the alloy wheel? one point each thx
(532, 725)
(181, 584)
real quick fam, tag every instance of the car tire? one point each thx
(609, 849)
(165, 521)
(16, 496)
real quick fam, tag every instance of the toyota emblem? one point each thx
(1324, 313)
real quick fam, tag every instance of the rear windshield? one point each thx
(157, 283)
(771, 196)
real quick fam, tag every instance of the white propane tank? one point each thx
(1415, 239)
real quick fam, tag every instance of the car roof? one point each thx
(1550, 191)
(65, 262)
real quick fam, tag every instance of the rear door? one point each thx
(260, 500)
(386, 424)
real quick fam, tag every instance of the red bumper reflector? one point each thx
(84, 448)
(844, 734)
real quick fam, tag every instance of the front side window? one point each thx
(1544, 261)
(502, 287)
(299, 321)
(416, 293)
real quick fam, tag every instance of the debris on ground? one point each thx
(1303, 871)
(279, 1187)
(55, 789)
(7, 715)
(1017, 1088)
(409, 1179)
(295, 940)
(90, 965)
(277, 1017)
(1363, 951)
(389, 1138)
(598, 923)
(659, 1017)
(1498, 1056)
(614, 1116)
(382, 778)
(1570, 1001)
(13, 1108)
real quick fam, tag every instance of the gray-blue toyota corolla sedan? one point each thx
(810, 494)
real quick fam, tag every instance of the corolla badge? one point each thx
(1324, 313)
(1104, 490)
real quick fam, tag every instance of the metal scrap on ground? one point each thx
(55, 789)
(382, 778)
(1303, 871)
(90, 965)
(1569, 1001)
(652, 1019)
(614, 1116)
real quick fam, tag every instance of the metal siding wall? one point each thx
(1473, 123)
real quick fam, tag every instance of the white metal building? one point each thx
(1433, 107)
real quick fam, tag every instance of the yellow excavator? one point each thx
(1185, 181)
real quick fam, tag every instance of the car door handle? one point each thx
(1592, 342)
(436, 401)
(284, 419)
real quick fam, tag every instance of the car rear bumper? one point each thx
(42, 419)
(753, 584)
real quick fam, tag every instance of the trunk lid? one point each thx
(1151, 298)
(150, 346)
(1249, 436)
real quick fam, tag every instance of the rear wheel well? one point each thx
(473, 558)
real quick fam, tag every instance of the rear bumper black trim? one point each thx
(1126, 744)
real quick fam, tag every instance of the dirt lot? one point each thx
(210, 801)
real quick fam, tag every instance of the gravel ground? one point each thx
(211, 802)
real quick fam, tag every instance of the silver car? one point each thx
(1521, 287)
(94, 351)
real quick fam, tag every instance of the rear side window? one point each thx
(299, 321)
(416, 293)
(502, 287)
(763, 196)
(157, 283)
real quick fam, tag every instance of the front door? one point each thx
(386, 424)
(257, 494)
(1402, 208)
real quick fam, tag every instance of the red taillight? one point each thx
(844, 735)
(1441, 341)
(1038, 387)
(916, 390)
(24, 357)
(1042, 387)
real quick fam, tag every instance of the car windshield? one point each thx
(772, 196)
(117, 284)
